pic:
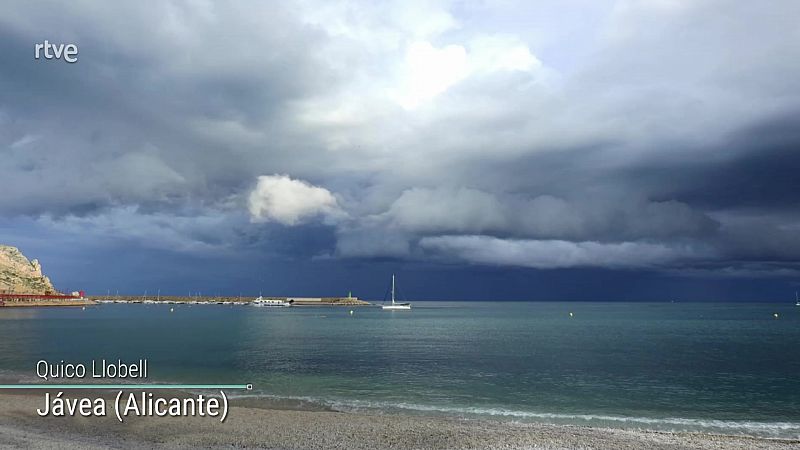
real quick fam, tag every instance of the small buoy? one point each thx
(351, 312)
(570, 314)
(83, 308)
(172, 310)
(775, 315)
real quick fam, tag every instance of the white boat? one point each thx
(272, 303)
(796, 299)
(397, 306)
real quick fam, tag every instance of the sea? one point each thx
(730, 368)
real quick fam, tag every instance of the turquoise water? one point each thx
(730, 368)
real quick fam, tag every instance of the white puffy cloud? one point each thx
(278, 198)
(553, 254)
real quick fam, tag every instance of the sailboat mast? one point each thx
(393, 289)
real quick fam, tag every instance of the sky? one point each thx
(531, 150)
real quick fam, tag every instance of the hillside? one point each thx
(18, 275)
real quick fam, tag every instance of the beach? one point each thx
(254, 427)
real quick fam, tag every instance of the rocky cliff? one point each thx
(18, 275)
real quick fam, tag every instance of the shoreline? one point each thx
(732, 428)
(703, 426)
(251, 426)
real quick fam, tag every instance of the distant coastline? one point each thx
(227, 300)
(52, 300)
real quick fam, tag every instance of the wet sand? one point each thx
(250, 427)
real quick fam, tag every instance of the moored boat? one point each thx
(395, 306)
(270, 302)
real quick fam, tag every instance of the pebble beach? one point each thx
(253, 427)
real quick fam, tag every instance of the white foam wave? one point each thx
(742, 427)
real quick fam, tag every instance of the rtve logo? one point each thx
(67, 52)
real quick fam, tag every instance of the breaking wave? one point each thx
(785, 430)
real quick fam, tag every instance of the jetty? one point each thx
(227, 300)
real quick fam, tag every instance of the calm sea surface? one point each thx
(730, 368)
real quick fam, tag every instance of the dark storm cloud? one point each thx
(760, 171)
(658, 135)
(131, 118)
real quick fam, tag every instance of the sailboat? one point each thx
(796, 299)
(397, 306)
